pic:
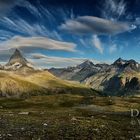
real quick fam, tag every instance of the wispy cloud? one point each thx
(114, 9)
(51, 61)
(40, 60)
(31, 8)
(20, 26)
(38, 42)
(95, 25)
(97, 43)
(17, 25)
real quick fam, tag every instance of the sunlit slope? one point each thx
(37, 83)
(49, 81)
(14, 85)
(46, 79)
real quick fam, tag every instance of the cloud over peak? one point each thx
(95, 25)
(38, 42)
(53, 61)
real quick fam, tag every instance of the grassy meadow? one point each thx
(39, 106)
(68, 116)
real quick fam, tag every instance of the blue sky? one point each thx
(61, 33)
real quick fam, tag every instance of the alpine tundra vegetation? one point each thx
(69, 70)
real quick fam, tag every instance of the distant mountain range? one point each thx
(17, 62)
(121, 77)
(18, 78)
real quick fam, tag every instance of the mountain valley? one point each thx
(68, 103)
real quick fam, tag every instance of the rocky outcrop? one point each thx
(122, 75)
(118, 83)
(114, 84)
(17, 61)
(77, 73)
(17, 58)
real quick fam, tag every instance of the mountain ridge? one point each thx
(18, 62)
(19, 80)
(17, 57)
(122, 75)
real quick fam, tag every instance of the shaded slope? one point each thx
(121, 76)
(115, 83)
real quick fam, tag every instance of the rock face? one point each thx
(17, 61)
(78, 73)
(124, 65)
(122, 75)
(17, 58)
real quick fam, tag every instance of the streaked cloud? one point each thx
(114, 9)
(38, 42)
(95, 25)
(38, 56)
(52, 61)
(17, 25)
(40, 60)
(97, 43)
(21, 26)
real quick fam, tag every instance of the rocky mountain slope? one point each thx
(17, 61)
(37, 83)
(19, 79)
(121, 76)
(78, 73)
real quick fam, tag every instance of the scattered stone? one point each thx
(45, 124)
(23, 113)
(138, 136)
(69, 114)
(74, 119)
(104, 116)
(22, 128)
(11, 114)
(95, 129)
(9, 135)
(102, 126)
(42, 113)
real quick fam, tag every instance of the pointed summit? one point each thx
(86, 63)
(119, 62)
(17, 58)
(17, 52)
